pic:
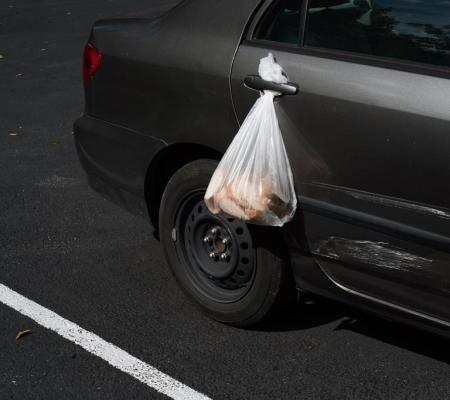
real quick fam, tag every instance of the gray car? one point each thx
(366, 122)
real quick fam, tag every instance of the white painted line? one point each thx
(94, 344)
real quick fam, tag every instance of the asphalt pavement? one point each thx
(69, 250)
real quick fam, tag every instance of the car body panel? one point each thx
(116, 160)
(169, 77)
(371, 140)
(161, 82)
(371, 228)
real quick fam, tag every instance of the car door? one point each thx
(368, 137)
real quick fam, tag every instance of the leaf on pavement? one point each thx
(23, 333)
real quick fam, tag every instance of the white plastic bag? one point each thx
(253, 181)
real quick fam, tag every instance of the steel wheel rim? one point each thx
(222, 279)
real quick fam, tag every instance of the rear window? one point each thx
(408, 30)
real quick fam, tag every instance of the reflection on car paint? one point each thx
(386, 201)
(402, 204)
(302, 155)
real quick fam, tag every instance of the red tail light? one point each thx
(91, 61)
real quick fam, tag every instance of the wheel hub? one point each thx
(219, 243)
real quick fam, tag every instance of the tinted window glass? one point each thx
(413, 30)
(281, 23)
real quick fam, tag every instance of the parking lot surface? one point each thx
(72, 252)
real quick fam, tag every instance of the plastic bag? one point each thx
(253, 181)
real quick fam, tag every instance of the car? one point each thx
(367, 132)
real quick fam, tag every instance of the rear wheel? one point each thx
(235, 272)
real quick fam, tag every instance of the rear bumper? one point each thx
(116, 160)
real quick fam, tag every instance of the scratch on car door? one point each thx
(381, 254)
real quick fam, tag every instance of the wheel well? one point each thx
(164, 165)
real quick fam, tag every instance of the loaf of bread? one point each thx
(246, 199)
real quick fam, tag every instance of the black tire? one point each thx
(251, 284)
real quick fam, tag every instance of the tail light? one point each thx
(91, 61)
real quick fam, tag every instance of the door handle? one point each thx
(257, 83)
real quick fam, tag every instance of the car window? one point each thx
(280, 23)
(411, 30)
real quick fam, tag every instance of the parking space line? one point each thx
(94, 344)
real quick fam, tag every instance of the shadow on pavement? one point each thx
(311, 312)
(396, 334)
(316, 311)
(156, 235)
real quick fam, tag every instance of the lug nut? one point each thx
(206, 239)
(224, 256)
(225, 240)
(212, 255)
(213, 231)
